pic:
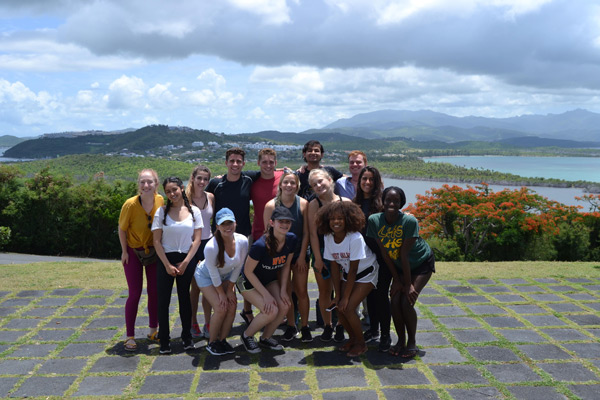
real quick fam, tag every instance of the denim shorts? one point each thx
(203, 277)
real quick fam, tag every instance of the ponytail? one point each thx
(221, 249)
(271, 242)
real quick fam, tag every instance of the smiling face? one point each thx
(392, 203)
(321, 184)
(227, 228)
(235, 163)
(289, 185)
(267, 164)
(200, 181)
(356, 164)
(337, 223)
(173, 192)
(281, 226)
(313, 154)
(147, 183)
(367, 183)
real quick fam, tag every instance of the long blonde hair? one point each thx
(189, 189)
(324, 173)
(154, 177)
(286, 173)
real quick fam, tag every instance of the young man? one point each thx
(346, 186)
(312, 153)
(264, 188)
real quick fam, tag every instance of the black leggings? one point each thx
(165, 287)
(378, 302)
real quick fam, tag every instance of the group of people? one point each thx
(348, 229)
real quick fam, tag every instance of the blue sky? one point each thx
(239, 66)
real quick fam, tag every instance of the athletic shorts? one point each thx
(367, 275)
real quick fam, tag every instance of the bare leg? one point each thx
(409, 313)
(325, 288)
(194, 297)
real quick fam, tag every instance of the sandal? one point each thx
(244, 314)
(357, 350)
(346, 346)
(410, 352)
(130, 344)
(396, 350)
(153, 337)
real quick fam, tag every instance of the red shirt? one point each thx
(261, 192)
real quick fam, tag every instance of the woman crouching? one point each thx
(341, 223)
(265, 277)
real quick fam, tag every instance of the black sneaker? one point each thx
(188, 344)
(290, 333)
(306, 335)
(339, 333)
(270, 343)
(327, 334)
(250, 344)
(385, 342)
(216, 348)
(371, 336)
(165, 348)
(227, 347)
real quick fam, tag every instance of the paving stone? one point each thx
(595, 306)
(90, 301)
(354, 395)
(543, 352)
(432, 339)
(116, 364)
(63, 366)
(17, 367)
(12, 336)
(54, 335)
(546, 297)
(535, 393)
(578, 280)
(563, 335)
(528, 289)
(585, 392)
(65, 323)
(503, 322)
(562, 288)
(79, 312)
(481, 282)
(526, 309)
(53, 301)
(45, 386)
(119, 301)
(223, 382)
(447, 282)
(508, 298)
(409, 394)
(480, 393)
(100, 292)
(546, 280)
(544, 320)
(6, 311)
(333, 358)
(379, 359)
(441, 355)
(453, 374)
(474, 335)
(427, 290)
(94, 335)
(447, 310)
(425, 324)
(494, 289)
(109, 322)
(584, 350)
(282, 381)
(173, 363)
(514, 281)
(513, 373)
(585, 319)
(595, 332)
(6, 384)
(4, 347)
(472, 299)
(16, 302)
(460, 289)
(4, 293)
(112, 311)
(22, 323)
(331, 378)
(288, 358)
(40, 312)
(434, 300)
(164, 384)
(82, 349)
(593, 288)
(492, 353)
(565, 307)
(581, 296)
(299, 397)
(103, 385)
(404, 376)
(570, 372)
(66, 292)
(460, 322)
(487, 309)
(521, 335)
(239, 360)
(31, 293)
(33, 350)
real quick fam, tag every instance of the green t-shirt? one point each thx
(392, 236)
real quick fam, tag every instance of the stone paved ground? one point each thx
(479, 339)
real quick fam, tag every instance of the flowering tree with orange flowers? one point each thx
(477, 223)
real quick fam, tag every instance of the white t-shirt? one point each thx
(232, 264)
(177, 236)
(352, 248)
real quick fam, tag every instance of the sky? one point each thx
(238, 66)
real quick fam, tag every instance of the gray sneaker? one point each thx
(250, 344)
(270, 343)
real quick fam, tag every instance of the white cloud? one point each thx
(127, 92)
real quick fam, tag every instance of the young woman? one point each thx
(410, 262)
(263, 285)
(322, 185)
(205, 202)
(138, 254)
(368, 198)
(176, 229)
(224, 258)
(341, 223)
(287, 196)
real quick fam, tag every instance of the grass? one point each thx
(109, 275)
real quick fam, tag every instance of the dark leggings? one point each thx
(378, 302)
(165, 287)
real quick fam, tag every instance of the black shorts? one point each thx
(428, 266)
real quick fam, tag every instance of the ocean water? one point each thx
(567, 168)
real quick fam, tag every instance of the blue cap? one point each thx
(224, 214)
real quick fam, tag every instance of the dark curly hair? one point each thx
(178, 182)
(354, 219)
(375, 203)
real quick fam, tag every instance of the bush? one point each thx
(4, 236)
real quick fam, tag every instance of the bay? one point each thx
(566, 168)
